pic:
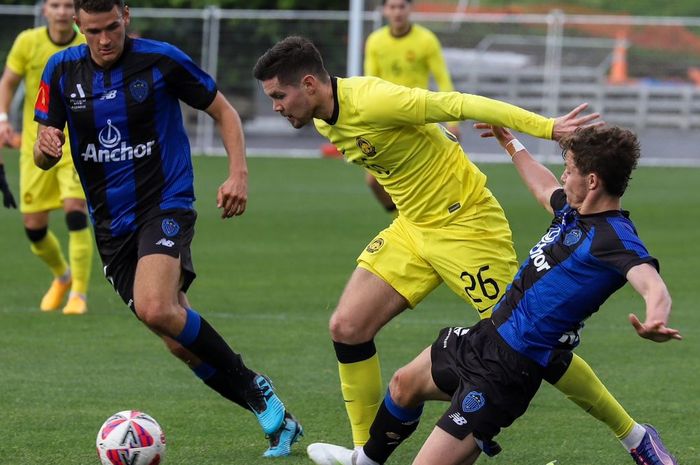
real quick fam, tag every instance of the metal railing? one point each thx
(553, 61)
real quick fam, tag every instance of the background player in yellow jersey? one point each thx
(41, 191)
(406, 54)
(450, 226)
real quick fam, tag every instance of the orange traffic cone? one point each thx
(618, 66)
(329, 150)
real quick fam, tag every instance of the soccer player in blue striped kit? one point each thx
(120, 99)
(490, 372)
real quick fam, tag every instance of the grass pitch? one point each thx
(268, 282)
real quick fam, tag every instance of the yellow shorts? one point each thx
(473, 254)
(45, 190)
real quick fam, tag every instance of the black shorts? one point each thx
(491, 385)
(169, 233)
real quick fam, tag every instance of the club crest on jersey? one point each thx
(139, 90)
(375, 245)
(366, 146)
(572, 237)
(473, 402)
(170, 227)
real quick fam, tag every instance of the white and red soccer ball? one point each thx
(130, 438)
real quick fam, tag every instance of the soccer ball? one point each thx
(130, 438)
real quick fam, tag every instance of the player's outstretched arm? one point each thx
(648, 283)
(232, 195)
(539, 180)
(571, 121)
(48, 148)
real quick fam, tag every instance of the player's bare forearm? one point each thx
(648, 283)
(232, 195)
(539, 180)
(8, 87)
(43, 161)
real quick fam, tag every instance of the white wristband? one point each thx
(513, 147)
(3, 117)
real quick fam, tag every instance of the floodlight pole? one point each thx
(357, 8)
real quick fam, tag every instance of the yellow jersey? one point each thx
(407, 60)
(28, 56)
(392, 132)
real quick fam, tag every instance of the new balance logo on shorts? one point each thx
(165, 242)
(457, 418)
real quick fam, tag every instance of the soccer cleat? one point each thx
(321, 453)
(53, 298)
(267, 407)
(651, 451)
(281, 441)
(76, 305)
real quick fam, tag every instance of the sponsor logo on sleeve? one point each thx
(43, 98)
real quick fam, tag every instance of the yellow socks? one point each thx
(80, 251)
(48, 250)
(361, 384)
(581, 385)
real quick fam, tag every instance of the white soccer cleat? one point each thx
(327, 454)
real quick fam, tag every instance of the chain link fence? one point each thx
(640, 72)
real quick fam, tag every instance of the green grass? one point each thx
(268, 282)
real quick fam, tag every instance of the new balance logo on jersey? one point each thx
(537, 252)
(112, 148)
(458, 419)
(165, 242)
(109, 95)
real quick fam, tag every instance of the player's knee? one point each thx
(402, 389)
(153, 313)
(76, 220)
(347, 330)
(36, 235)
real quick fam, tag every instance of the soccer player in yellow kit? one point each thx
(450, 227)
(406, 54)
(41, 191)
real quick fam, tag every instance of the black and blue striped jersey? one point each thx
(580, 261)
(125, 126)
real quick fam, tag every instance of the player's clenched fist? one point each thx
(49, 147)
(232, 196)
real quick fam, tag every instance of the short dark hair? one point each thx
(609, 151)
(289, 60)
(98, 6)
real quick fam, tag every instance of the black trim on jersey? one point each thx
(401, 36)
(61, 44)
(336, 105)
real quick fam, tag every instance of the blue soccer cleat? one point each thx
(267, 407)
(651, 451)
(281, 441)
